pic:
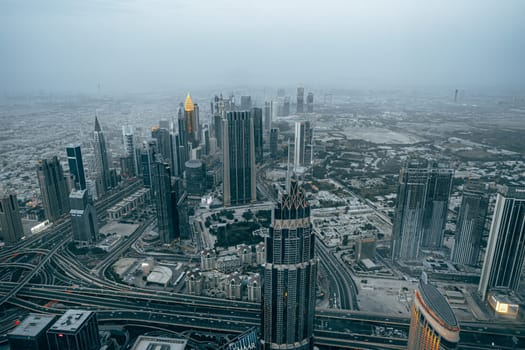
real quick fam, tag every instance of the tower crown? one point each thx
(188, 104)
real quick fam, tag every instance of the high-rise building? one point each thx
(191, 114)
(76, 166)
(290, 275)
(217, 127)
(274, 142)
(30, 334)
(101, 171)
(303, 143)
(131, 152)
(246, 103)
(75, 329)
(433, 325)
(300, 100)
(310, 102)
(53, 187)
(268, 115)
(10, 221)
(285, 111)
(239, 159)
(195, 175)
(470, 224)
(410, 208)
(165, 199)
(439, 185)
(148, 155)
(505, 251)
(84, 221)
(258, 133)
(422, 206)
(164, 146)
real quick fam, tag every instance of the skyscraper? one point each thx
(303, 144)
(239, 159)
(470, 225)
(164, 146)
(75, 329)
(258, 133)
(268, 115)
(191, 114)
(10, 221)
(165, 202)
(300, 100)
(410, 208)
(148, 155)
(433, 325)
(310, 102)
(76, 166)
(290, 275)
(439, 185)
(246, 103)
(83, 217)
(217, 127)
(505, 251)
(274, 142)
(131, 152)
(101, 171)
(53, 187)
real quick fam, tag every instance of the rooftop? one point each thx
(437, 303)
(71, 321)
(33, 325)
(158, 343)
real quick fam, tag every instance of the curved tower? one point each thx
(290, 275)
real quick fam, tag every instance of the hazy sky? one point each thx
(134, 46)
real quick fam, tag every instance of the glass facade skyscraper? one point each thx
(76, 166)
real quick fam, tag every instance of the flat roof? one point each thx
(160, 275)
(32, 325)
(71, 321)
(158, 343)
(437, 303)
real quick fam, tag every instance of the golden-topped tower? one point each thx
(188, 104)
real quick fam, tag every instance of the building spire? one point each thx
(97, 125)
(188, 104)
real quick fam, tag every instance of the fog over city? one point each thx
(141, 46)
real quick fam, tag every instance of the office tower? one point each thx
(191, 116)
(148, 155)
(290, 274)
(239, 159)
(470, 225)
(310, 102)
(408, 219)
(300, 100)
(286, 107)
(365, 248)
(303, 144)
(164, 124)
(217, 127)
(433, 325)
(75, 329)
(76, 166)
(195, 175)
(165, 202)
(164, 146)
(181, 142)
(30, 334)
(246, 103)
(126, 166)
(10, 221)
(53, 187)
(274, 142)
(439, 186)
(84, 221)
(101, 171)
(505, 251)
(258, 134)
(268, 114)
(129, 145)
(206, 140)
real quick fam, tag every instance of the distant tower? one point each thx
(256, 114)
(246, 103)
(274, 142)
(164, 146)
(10, 221)
(165, 201)
(268, 114)
(195, 175)
(129, 145)
(102, 175)
(456, 95)
(191, 114)
(470, 225)
(286, 107)
(439, 186)
(217, 127)
(181, 142)
(433, 325)
(239, 159)
(300, 100)
(76, 166)
(302, 144)
(310, 102)
(290, 275)
(53, 187)
(505, 252)
(148, 155)
(408, 219)
(83, 217)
